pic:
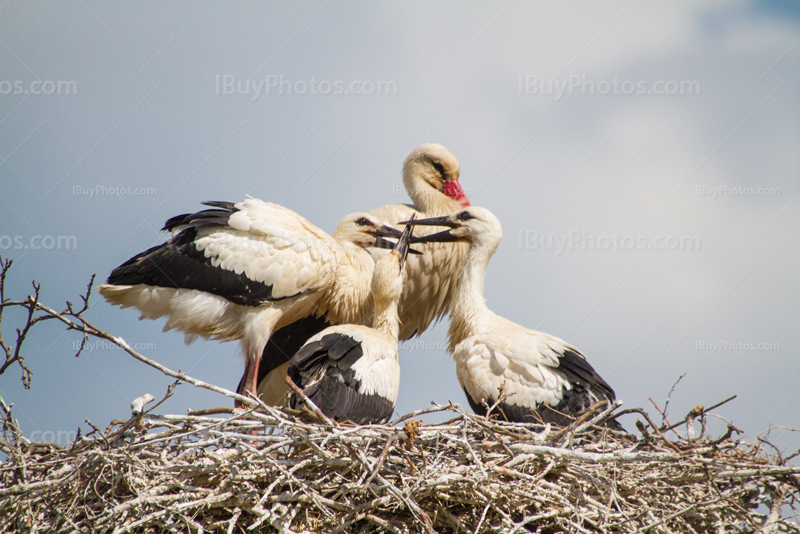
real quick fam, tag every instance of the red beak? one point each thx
(454, 191)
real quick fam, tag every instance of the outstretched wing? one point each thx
(249, 253)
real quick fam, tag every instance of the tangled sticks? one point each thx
(278, 471)
(262, 469)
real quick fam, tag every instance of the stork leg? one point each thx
(249, 382)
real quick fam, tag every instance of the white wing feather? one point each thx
(525, 360)
(272, 245)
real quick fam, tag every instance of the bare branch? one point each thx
(271, 467)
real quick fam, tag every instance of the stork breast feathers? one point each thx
(528, 357)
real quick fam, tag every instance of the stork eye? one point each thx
(363, 221)
(439, 167)
(465, 216)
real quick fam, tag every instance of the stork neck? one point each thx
(426, 198)
(468, 312)
(350, 301)
(387, 319)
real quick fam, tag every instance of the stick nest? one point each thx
(269, 470)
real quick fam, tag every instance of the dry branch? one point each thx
(229, 474)
(264, 469)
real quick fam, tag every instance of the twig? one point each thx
(664, 420)
(381, 459)
(211, 411)
(706, 410)
(300, 393)
(652, 425)
(432, 409)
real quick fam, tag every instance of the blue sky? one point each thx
(643, 159)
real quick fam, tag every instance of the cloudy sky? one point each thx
(643, 158)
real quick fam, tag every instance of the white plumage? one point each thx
(543, 378)
(242, 271)
(502, 353)
(351, 372)
(430, 177)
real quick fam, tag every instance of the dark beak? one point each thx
(433, 221)
(441, 237)
(402, 244)
(387, 231)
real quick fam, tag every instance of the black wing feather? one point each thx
(203, 218)
(330, 358)
(587, 388)
(578, 371)
(178, 264)
(323, 370)
(508, 411)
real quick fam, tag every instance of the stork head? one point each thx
(474, 224)
(387, 278)
(430, 175)
(365, 230)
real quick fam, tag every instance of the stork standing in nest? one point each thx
(431, 178)
(243, 271)
(542, 378)
(350, 372)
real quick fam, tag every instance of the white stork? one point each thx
(242, 271)
(430, 176)
(350, 372)
(543, 378)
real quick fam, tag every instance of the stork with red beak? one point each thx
(430, 176)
